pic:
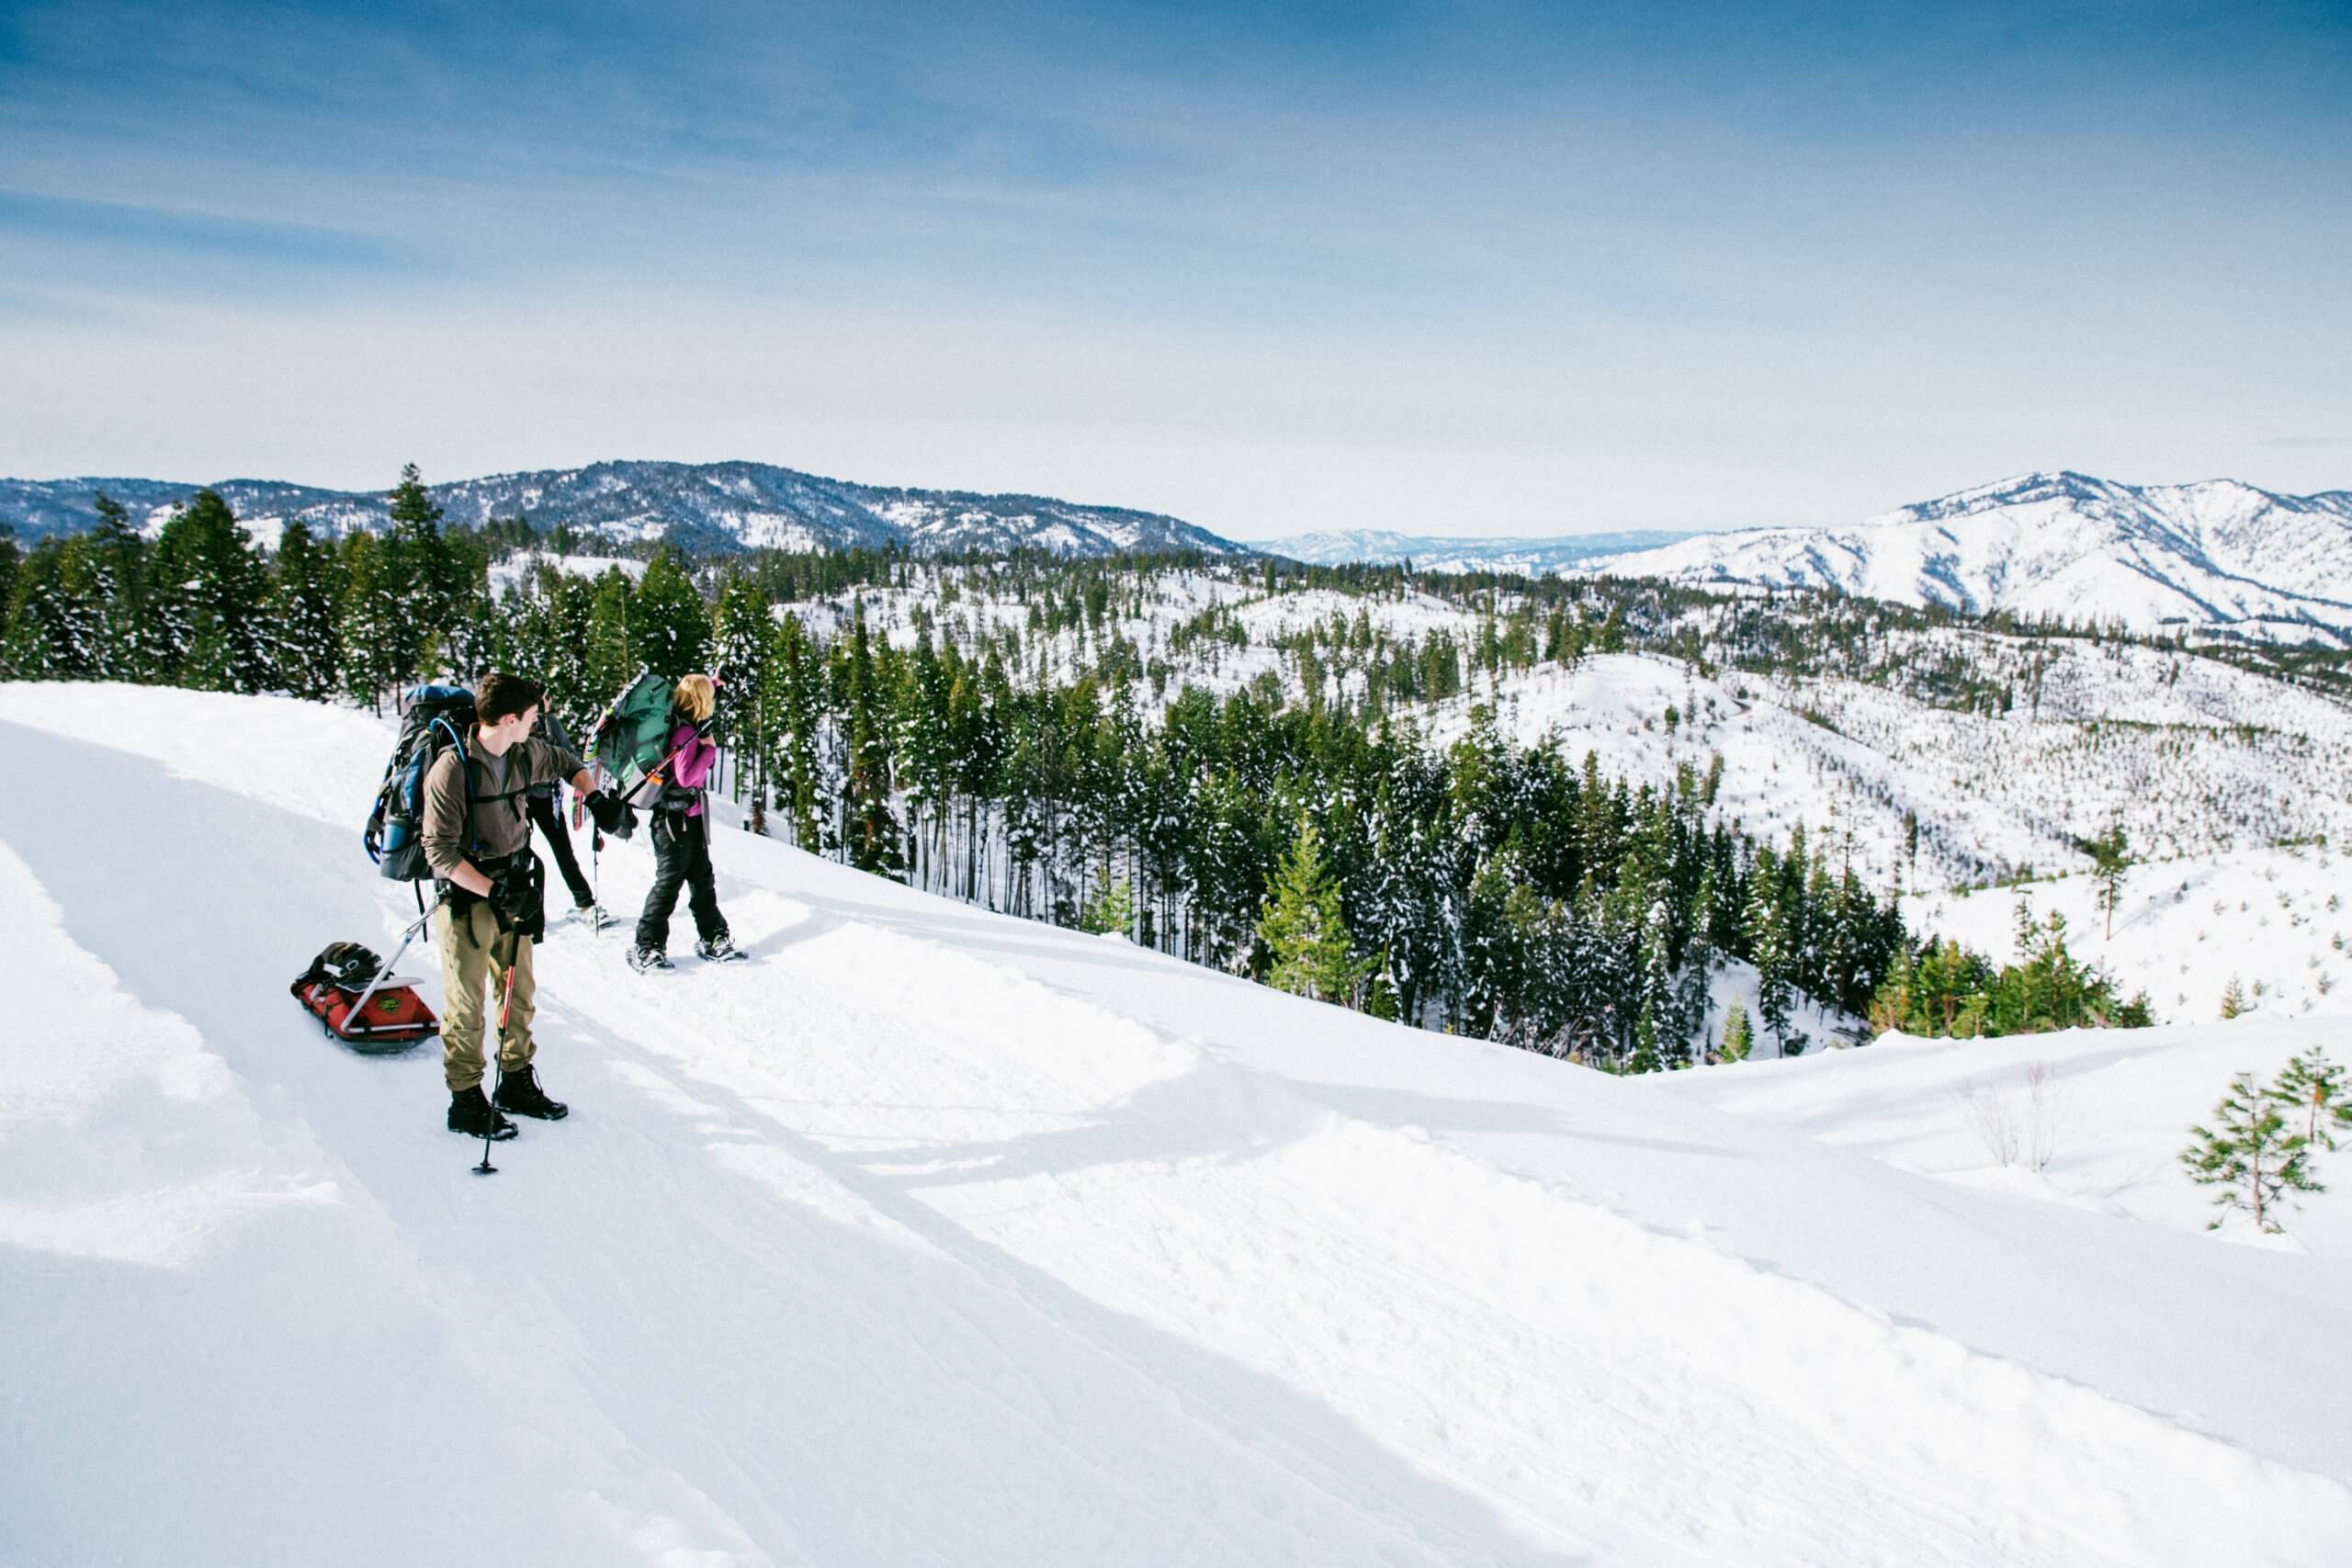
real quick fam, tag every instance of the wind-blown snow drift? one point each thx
(935, 1236)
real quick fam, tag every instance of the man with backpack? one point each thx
(477, 839)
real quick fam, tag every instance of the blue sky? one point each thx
(1469, 269)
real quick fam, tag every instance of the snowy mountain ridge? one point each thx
(700, 506)
(2219, 557)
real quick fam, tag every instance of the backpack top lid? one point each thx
(422, 704)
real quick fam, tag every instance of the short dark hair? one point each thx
(503, 695)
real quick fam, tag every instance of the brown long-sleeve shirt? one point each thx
(499, 784)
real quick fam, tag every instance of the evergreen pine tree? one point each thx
(1111, 910)
(305, 654)
(415, 572)
(2110, 859)
(610, 665)
(2249, 1155)
(205, 562)
(1768, 944)
(118, 556)
(48, 635)
(1304, 928)
(669, 625)
(2233, 1002)
(1738, 1041)
(370, 628)
(746, 636)
(473, 632)
(873, 829)
(568, 603)
(796, 695)
(2320, 1091)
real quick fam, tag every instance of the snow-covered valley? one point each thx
(935, 1235)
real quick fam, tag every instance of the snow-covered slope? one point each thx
(2193, 758)
(2277, 921)
(2216, 556)
(931, 1236)
(710, 506)
(2087, 1118)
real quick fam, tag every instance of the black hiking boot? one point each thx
(720, 949)
(470, 1113)
(519, 1093)
(645, 960)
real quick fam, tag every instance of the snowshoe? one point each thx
(520, 1093)
(592, 916)
(646, 960)
(470, 1113)
(719, 950)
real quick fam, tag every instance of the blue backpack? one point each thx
(437, 719)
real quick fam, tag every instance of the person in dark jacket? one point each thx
(544, 809)
(682, 838)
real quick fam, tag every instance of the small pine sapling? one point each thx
(2233, 1001)
(2250, 1156)
(1738, 1037)
(2320, 1091)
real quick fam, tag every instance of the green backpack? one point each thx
(632, 742)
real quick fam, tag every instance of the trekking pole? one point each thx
(505, 998)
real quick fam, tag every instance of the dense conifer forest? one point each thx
(1299, 827)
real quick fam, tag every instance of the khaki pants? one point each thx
(476, 954)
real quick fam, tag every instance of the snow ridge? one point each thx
(706, 506)
(2217, 557)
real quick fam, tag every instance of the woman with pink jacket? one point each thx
(682, 839)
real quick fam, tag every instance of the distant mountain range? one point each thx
(700, 506)
(2220, 557)
(1529, 557)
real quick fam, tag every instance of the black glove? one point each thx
(512, 896)
(606, 809)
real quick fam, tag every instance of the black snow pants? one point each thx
(680, 855)
(542, 811)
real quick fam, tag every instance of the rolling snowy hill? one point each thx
(934, 1236)
(2214, 558)
(704, 506)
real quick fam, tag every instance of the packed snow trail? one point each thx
(934, 1237)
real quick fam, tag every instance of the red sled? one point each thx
(358, 1004)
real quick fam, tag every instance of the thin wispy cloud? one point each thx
(1269, 267)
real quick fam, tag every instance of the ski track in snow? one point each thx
(934, 1237)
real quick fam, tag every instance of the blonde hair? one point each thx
(695, 697)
